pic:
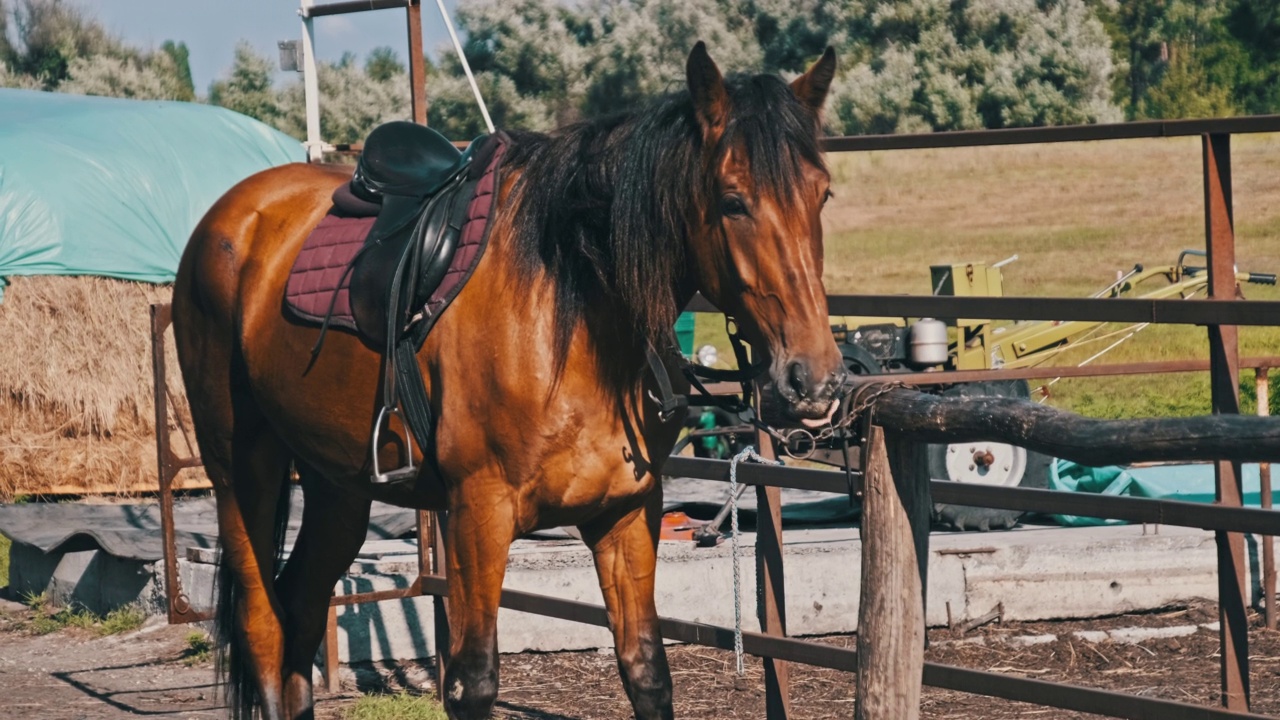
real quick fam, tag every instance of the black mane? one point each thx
(603, 205)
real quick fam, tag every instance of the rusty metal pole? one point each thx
(1262, 383)
(1224, 377)
(168, 466)
(330, 670)
(771, 597)
(161, 317)
(417, 64)
(440, 603)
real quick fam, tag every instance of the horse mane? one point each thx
(603, 206)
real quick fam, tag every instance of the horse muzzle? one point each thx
(803, 397)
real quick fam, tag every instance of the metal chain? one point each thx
(747, 453)
(868, 402)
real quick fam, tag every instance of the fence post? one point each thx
(1224, 378)
(771, 596)
(433, 535)
(417, 64)
(1261, 382)
(891, 613)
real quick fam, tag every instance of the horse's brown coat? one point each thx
(524, 439)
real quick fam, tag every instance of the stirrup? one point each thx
(405, 473)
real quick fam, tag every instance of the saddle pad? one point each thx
(322, 265)
(320, 269)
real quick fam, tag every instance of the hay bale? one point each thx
(76, 412)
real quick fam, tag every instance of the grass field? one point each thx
(1075, 214)
(5, 546)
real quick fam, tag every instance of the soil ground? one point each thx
(75, 674)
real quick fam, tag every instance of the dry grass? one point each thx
(76, 406)
(1074, 213)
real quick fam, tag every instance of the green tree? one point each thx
(181, 58)
(248, 89)
(353, 101)
(383, 64)
(1256, 24)
(50, 34)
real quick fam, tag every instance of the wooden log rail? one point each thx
(1062, 434)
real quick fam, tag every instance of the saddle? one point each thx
(395, 232)
(418, 181)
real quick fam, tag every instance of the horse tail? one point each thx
(231, 656)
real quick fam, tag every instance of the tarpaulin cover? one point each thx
(133, 530)
(1188, 483)
(112, 187)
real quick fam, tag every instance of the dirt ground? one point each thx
(74, 674)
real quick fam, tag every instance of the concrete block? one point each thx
(1042, 574)
(86, 578)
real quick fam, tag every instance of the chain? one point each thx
(747, 453)
(869, 399)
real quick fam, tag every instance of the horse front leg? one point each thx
(625, 548)
(479, 531)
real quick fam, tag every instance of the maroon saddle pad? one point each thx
(319, 279)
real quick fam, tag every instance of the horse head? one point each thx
(756, 249)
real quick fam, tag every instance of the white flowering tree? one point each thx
(50, 45)
(942, 65)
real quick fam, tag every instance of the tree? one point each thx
(248, 89)
(154, 78)
(181, 58)
(50, 34)
(383, 64)
(941, 65)
(351, 102)
(541, 47)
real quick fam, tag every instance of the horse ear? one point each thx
(710, 99)
(811, 88)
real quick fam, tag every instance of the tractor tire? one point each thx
(999, 464)
(859, 361)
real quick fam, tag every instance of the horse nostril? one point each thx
(798, 376)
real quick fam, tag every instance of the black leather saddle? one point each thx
(421, 185)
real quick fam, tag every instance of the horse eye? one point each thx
(732, 206)
(827, 197)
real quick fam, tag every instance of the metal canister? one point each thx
(929, 344)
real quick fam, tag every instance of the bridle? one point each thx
(798, 443)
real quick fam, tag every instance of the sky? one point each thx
(211, 29)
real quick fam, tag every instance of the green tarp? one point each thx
(1188, 483)
(104, 186)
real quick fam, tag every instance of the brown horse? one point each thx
(536, 373)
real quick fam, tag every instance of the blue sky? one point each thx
(211, 29)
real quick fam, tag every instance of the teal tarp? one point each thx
(1188, 483)
(104, 186)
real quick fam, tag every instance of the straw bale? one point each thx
(76, 412)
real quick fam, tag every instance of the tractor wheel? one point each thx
(985, 463)
(859, 361)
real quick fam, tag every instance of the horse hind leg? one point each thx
(624, 544)
(334, 523)
(249, 475)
